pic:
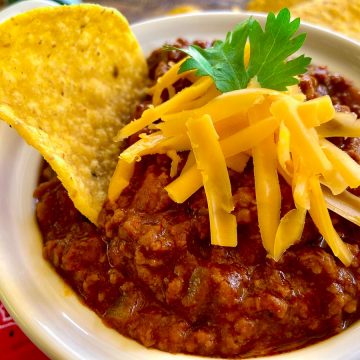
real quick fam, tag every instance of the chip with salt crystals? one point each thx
(69, 79)
(342, 16)
(274, 5)
(339, 15)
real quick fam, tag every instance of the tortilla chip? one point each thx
(69, 79)
(274, 5)
(339, 15)
(342, 16)
(183, 9)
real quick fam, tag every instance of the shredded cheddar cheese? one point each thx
(215, 178)
(267, 187)
(345, 165)
(316, 111)
(185, 185)
(304, 139)
(283, 149)
(321, 218)
(175, 103)
(289, 231)
(120, 179)
(248, 137)
(238, 162)
(346, 205)
(343, 125)
(283, 133)
(301, 190)
(166, 82)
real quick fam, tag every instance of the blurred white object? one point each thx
(23, 6)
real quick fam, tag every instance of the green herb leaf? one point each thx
(224, 62)
(269, 51)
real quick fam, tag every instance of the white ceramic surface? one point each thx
(42, 305)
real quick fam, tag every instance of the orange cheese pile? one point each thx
(283, 134)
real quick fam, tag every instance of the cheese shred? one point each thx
(267, 187)
(216, 181)
(280, 131)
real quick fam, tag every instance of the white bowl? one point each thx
(44, 307)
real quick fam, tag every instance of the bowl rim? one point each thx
(49, 342)
(259, 14)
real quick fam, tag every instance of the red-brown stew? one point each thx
(150, 272)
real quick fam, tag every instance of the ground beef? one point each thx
(160, 61)
(150, 272)
(319, 81)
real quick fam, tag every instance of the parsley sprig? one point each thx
(269, 53)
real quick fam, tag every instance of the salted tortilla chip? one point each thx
(183, 9)
(274, 5)
(69, 79)
(339, 15)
